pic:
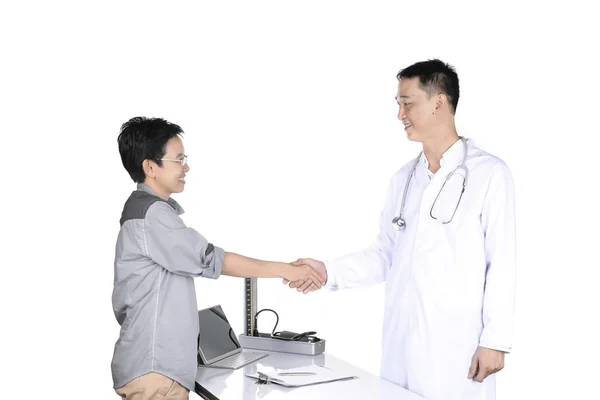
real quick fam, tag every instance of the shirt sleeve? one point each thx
(177, 248)
(498, 219)
(370, 265)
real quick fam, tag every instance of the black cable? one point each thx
(308, 336)
(255, 332)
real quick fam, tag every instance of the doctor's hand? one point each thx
(302, 272)
(305, 286)
(485, 362)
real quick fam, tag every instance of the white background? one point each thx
(292, 136)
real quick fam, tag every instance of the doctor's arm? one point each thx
(498, 219)
(362, 268)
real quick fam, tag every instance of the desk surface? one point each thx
(222, 384)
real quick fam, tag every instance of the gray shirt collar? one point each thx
(171, 201)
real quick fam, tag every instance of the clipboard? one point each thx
(298, 377)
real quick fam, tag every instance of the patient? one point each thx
(157, 258)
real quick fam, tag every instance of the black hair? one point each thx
(435, 77)
(142, 139)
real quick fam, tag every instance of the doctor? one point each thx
(445, 249)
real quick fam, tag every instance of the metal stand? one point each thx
(250, 304)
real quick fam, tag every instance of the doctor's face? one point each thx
(415, 110)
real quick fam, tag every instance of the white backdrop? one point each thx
(292, 136)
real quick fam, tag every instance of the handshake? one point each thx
(306, 275)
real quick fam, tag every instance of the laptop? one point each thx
(218, 346)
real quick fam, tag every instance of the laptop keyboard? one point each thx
(238, 360)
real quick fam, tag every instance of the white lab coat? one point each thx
(448, 288)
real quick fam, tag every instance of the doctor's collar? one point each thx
(454, 152)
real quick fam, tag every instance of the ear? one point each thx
(149, 168)
(440, 103)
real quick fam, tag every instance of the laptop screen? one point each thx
(216, 337)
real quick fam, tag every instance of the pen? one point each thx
(296, 373)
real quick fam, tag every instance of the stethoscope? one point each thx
(399, 222)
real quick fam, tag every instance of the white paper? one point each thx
(321, 375)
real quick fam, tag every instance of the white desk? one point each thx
(222, 384)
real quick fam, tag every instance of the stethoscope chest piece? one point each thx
(399, 223)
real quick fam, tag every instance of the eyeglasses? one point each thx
(181, 161)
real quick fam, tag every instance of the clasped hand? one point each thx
(312, 281)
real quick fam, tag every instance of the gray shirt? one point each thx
(157, 258)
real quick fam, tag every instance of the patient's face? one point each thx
(170, 176)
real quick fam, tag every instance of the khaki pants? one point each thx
(153, 386)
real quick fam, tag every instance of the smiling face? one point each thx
(170, 177)
(417, 110)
